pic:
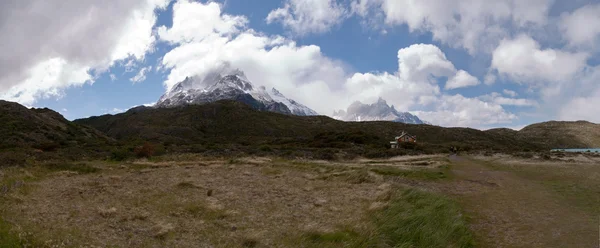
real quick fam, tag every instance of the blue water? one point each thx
(596, 150)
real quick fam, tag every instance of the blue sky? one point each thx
(511, 63)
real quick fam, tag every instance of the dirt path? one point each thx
(509, 211)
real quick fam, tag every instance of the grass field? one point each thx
(194, 201)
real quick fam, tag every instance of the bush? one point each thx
(325, 154)
(47, 147)
(265, 148)
(119, 155)
(408, 145)
(147, 150)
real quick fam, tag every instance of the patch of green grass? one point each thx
(427, 174)
(271, 171)
(80, 167)
(421, 219)
(413, 218)
(186, 185)
(331, 237)
(8, 239)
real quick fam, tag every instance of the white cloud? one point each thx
(581, 108)
(510, 93)
(489, 79)
(419, 61)
(403, 94)
(582, 27)
(579, 100)
(457, 110)
(113, 77)
(308, 16)
(304, 74)
(141, 75)
(71, 39)
(462, 79)
(476, 25)
(47, 79)
(195, 21)
(522, 60)
(497, 98)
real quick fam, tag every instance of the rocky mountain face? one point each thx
(230, 84)
(378, 111)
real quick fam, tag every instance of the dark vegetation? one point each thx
(233, 128)
(42, 134)
(228, 128)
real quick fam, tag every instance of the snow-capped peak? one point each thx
(378, 111)
(232, 84)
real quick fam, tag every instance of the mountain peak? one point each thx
(227, 83)
(378, 111)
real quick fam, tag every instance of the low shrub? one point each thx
(147, 150)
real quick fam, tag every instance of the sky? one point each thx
(468, 63)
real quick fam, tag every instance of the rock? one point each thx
(107, 212)
(213, 204)
(384, 186)
(310, 176)
(161, 230)
(320, 202)
(384, 192)
(209, 192)
(334, 209)
(375, 206)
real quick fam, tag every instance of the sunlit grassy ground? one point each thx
(193, 201)
(251, 202)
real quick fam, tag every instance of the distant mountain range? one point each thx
(230, 84)
(378, 111)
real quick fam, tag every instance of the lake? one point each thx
(596, 150)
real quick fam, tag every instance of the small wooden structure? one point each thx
(403, 138)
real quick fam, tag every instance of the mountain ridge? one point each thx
(378, 111)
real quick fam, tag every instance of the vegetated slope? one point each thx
(228, 122)
(562, 134)
(26, 129)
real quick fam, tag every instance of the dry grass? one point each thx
(249, 202)
(516, 202)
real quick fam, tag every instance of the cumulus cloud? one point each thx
(193, 21)
(579, 101)
(476, 25)
(510, 93)
(462, 79)
(309, 16)
(582, 27)
(581, 108)
(49, 47)
(420, 61)
(523, 60)
(305, 74)
(141, 75)
(497, 98)
(457, 110)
